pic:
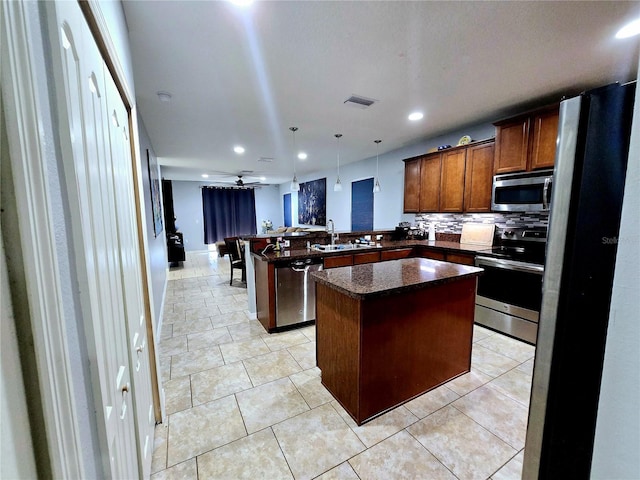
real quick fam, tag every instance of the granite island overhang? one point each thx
(388, 332)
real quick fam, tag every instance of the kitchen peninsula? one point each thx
(390, 331)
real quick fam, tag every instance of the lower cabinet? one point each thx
(338, 261)
(433, 254)
(396, 254)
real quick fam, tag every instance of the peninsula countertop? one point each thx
(295, 254)
(393, 276)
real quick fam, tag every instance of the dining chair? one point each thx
(236, 257)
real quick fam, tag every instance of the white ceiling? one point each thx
(245, 75)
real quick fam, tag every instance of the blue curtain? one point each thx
(228, 212)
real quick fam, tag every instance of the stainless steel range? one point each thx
(509, 293)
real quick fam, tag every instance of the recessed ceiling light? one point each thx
(204, 175)
(262, 179)
(241, 3)
(238, 149)
(164, 96)
(302, 156)
(629, 30)
(415, 116)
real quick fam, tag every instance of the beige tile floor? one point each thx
(245, 404)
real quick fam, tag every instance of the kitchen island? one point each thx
(390, 331)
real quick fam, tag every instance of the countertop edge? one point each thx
(319, 278)
(274, 257)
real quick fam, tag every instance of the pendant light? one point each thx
(376, 186)
(295, 186)
(338, 186)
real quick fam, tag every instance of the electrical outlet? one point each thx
(287, 243)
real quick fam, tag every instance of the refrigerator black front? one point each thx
(589, 178)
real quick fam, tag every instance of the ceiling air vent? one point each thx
(266, 159)
(359, 102)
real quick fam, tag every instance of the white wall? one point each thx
(617, 439)
(156, 246)
(269, 206)
(388, 203)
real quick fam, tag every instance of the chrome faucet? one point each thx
(333, 231)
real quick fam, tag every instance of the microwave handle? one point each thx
(545, 193)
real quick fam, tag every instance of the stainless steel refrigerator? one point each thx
(586, 204)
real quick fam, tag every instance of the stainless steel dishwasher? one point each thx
(296, 292)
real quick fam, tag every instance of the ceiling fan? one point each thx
(239, 181)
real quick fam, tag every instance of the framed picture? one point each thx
(154, 186)
(312, 202)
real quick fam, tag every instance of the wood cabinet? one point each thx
(478, 178)
(366, 257)
(437, 254)
(463, 258)
(455, 180)
(412, 185)
(352, 259)
(452, 180)
(527, 142)
(545, 134)
(396, 254)
(431, 253)
(338, 261)
(429, 194)
(380, 351)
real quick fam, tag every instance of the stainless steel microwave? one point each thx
(522, 192)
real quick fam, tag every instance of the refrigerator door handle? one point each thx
(545, 193)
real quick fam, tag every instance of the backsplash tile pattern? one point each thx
(452, 222)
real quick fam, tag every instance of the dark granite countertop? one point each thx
(296, 254)
(393, 276)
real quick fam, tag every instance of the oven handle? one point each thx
(510, 265)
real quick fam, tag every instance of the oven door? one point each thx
(509, 297)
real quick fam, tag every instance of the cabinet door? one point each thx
(512, 140)
(339, 261)
(396, 254)
(432, 254)
(366, 257)
(452, 181)
(543, 144)
(462, 258)
(430, 183)
(479, 178)
(412, 186)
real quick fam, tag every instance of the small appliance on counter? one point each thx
(402, 231)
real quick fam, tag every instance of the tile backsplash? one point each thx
(452, 222)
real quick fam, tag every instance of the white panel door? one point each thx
(90, 179)
(131, 273)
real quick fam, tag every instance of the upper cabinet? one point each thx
(527, 142)
(454, 180)
(478, 178)
(412, 185)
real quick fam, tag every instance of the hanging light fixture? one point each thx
(295, 186)
(338, 186)
(376, 186)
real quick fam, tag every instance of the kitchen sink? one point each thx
(342, 246)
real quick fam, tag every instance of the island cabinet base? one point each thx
(377, 353)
